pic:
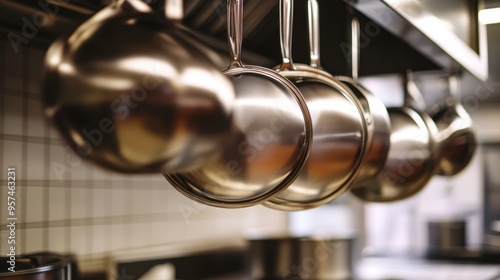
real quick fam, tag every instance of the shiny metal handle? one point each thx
(174, 10)
(455, 90)
(235, 31)
(130, 6)
(355, 39)
(413, 98)
(313, 20)
(286, 21)
(117, 3)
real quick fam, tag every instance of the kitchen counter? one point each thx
(419, 269)
(411, 269)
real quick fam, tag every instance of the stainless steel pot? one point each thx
(377, 117)
(456, 134)
(339, 128)
(446, 236)
(413, 155)
(272, 257)
(290, 258)
(129, 92)
(40, 266)
(269, 142)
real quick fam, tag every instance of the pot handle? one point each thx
(174, 10)
(131, 6)
(286, 22)
(455, 91)
(235, 31)
(313, 24)
(413, 98)
(355, 39)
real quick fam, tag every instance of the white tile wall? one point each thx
(56, 236)
(79, 241)
(36, 162)
(57, 203)
(36, 122)
(59, 169)
(14, 63)
(11, 154)
(79, 203)
(77, 207)
(35, 201)
(13, 108)
(36, 57)
(34, 240)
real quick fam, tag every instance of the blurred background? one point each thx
(118, 226)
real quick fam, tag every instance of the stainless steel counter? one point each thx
(417, 269)
(409, 269)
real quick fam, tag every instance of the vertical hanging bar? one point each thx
(174, 10)
(286, 26)
(235, 31)
(313, 20)
(355, 39)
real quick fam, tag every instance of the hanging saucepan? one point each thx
(290, 257)
(377, 117)
(455, 133)
(270, 141)
(39, 266)
(339, 129)
(413, 155)
(128, 92)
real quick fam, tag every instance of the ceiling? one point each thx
(384, 53)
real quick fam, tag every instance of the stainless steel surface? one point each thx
(490, 237)
(410, 21)
(339, 129)
(40, 266)
(333, 258)
(461, 16)
(376, 115)
(174, 10)
(160, 106)
(418, 269)
(301, 258)
(413, 155)
(272, 257)
(270, 140)
(456, 134)
(446, 236)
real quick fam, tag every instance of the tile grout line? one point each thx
(17, 93)
(31, 139)
(67, 209)
(90, 204)
(172, 217)
(80, 184)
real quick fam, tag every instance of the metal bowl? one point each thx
(269, 142)
(339, 131)
(456, 134)
(413, 155)
(128, 92)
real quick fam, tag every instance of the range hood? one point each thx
(447, 32)
(396, 34)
